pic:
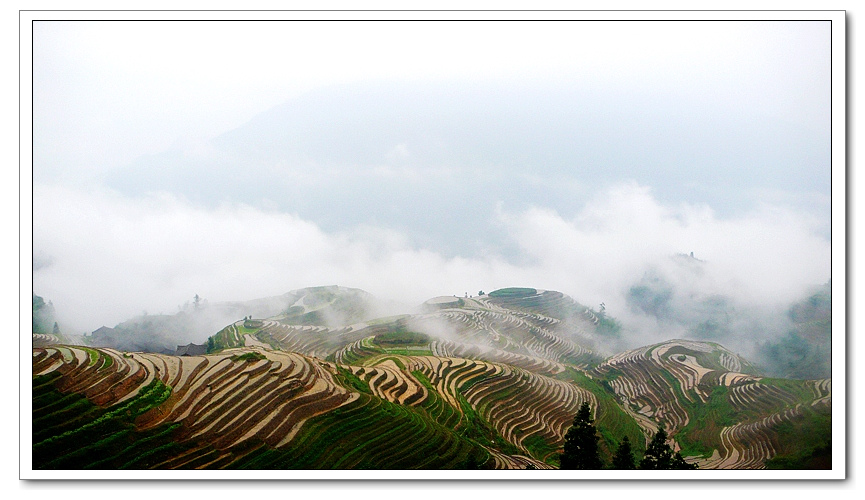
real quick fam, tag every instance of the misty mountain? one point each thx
(805, 350)
(433, 160)
(333, 306)
(326, 305)
(791, 342)
(193, 323)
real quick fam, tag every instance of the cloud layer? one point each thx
(102, 257)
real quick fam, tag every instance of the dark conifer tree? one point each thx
(581, 443)
(624, 457)
(659, 455)
(679, 463)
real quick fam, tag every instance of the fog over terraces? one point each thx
(594, 176)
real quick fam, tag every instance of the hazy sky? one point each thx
(239, 160)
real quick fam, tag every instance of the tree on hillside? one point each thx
(475, 462)
(43, 315)
(659, 455)
(624, 457)
(581, 443)
(679, 463)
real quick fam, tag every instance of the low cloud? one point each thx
(103, 257)
(634, 254)
(770, 255)
(112, 257)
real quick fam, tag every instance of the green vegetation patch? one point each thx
(812, 459)
(408, 352)
(387, 319)
(702, 434)
(401, 338)
(436, 407)
(294, 310)
(350, 381)
(713, 416)
(73, 433)
(513, 292)
(800, 389)
(248, 356)
(612, 374)
(474, 427)
(608, 326)
(246, 330)
(93, 354)
(805, 441)
(226, 338)
(542, 449)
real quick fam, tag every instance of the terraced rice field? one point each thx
(725, 419)
(492, 381)
(222, 410)
(482, 322)
(40, 339)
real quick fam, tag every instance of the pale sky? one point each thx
(108, 92)
(239, 160)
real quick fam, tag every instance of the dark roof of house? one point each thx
(102, 330)
(191, 350)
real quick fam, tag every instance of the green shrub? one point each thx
(248, 356)
(401, 337)
(349, 380)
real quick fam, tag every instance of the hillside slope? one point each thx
(491, 381)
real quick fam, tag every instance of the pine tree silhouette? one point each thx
(581, 443)
(624, 457)
(659, 455)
